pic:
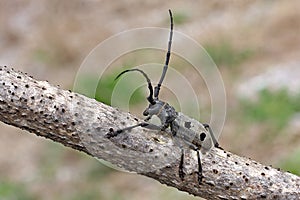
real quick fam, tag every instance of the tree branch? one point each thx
(81, 123)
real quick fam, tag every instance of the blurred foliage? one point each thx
(56, 55)
(56, 157)
(105, 89)
(89, 194)
(98, 171)
(224, 54)
(180, 17)
(292, 163)
(93, 193)
(272, 107)
(14, 191)
(42, 56)
(51, 160)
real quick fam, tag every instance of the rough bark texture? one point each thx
(81, 123)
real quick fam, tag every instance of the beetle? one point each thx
(198, 136)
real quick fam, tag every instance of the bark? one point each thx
(81, 123)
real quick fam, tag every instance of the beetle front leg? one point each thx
(113, 133)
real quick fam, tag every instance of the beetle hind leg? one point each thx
(200, 176)
(181, 172)
(212, 135)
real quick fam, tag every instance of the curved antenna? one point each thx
(150, 97)
(157, 88)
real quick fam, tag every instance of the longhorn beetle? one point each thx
(199, 136)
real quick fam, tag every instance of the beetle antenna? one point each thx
(150, 97)
(157, 88)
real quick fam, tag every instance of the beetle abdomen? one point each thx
(193, 132)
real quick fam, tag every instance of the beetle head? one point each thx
(154, 109)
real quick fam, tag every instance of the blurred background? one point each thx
(255, 44)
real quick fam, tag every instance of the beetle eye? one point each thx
(202, 136)
(146, 113)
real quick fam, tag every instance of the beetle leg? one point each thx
(200, 176)
(181, 170)
(208, 128)
(142, 124)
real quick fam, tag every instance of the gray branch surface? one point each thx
(81, 123)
